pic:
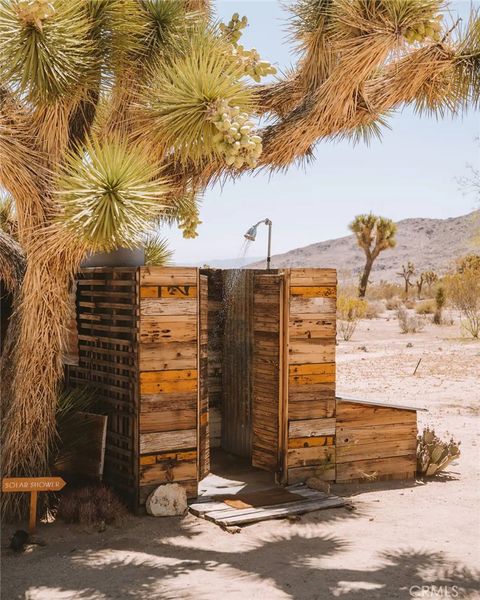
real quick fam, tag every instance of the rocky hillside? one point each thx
(429, 243)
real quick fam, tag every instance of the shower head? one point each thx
(251, 233)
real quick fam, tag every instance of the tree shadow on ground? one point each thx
(295, 565)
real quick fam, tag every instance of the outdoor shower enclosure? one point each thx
(187, 359)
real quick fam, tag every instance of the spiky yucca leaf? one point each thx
(110, 194)
(157, 252)
(163, 21)
(467, 62)
(8, 219)
(48, 59)
(184, 91)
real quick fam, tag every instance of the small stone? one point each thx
(363, 348)
(314, 483)
(167, 500)
(409, 345)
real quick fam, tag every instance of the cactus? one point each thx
(433, 455)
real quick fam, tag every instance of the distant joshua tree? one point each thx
(430, 278)
(419, 283)
(374, 235)
(407, 273)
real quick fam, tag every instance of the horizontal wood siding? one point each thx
(169, 377)
(311, 374)
(375, 442)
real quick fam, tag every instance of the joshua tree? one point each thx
(374, 235)
(430, 278)
(116, 114)
(419, 283)
(407, 273)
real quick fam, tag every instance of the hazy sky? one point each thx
(412, 172)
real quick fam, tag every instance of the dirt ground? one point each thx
(404, 540)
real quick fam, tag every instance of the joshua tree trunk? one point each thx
(362, 288)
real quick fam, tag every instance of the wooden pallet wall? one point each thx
(267, 398)
(375, 442)
(216, 320)
(168, 365)
(311, 374)
(108, 359)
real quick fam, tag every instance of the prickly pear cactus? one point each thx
(433, 455)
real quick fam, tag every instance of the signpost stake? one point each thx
(33, 512)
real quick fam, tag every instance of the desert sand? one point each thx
(399, 537)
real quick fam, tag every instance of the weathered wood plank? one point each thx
(313, 277)
(167, 472)
(167, 356)
(152, 459)
(311, 428)
(168, 329)
(308, 374)
(311, 442)
(314, 291)
(323, 306)
(304, 457)
(324, 472)
(168, 306)
(313, 350)
(299, 409)
(169, 276)
(376, 450)
(168, 420)
(351, 436)
(167, 441)
(315, 327)
(371, 469)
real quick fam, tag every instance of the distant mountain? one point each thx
(429, 243)
(227, 263)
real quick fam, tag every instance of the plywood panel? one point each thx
(352, 436)
(157, 382)
(324, 472)
(299, 409)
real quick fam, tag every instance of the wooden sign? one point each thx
(33, 485)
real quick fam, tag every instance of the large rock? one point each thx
(167, 500)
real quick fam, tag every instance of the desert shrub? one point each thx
(373, 309)
(433, 455)
(409, 322)
(349, 311)
(393, 303)
(409, 303)
(427, 307)
(91, 505)
(440, 299)
(464, 292)
(384, 291)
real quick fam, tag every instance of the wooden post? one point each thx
(32, 524)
